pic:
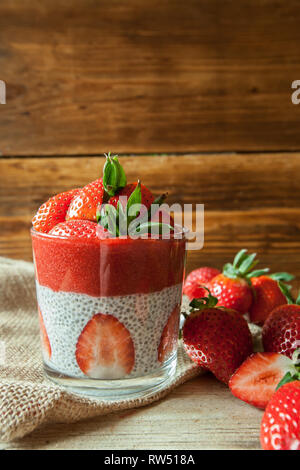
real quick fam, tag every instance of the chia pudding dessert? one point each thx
(109, 267)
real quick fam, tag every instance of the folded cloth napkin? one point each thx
(27, 398)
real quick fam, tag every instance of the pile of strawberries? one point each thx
(83, 212)
(217, 337)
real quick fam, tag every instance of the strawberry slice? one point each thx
(53, 211)
(105, 349)
(169, 337)
(85, 204)
(44, 337)
(256, 379)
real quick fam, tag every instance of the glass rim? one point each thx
(181, 231)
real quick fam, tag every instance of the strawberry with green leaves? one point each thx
(281, 330)
(197, 280)
(267, 295)
(232, 287)
(216, 338)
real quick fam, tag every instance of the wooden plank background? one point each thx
(250, 200)
(85, 76)
(195, 96)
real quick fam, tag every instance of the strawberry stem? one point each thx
(242, 267)
(204, 302)
(294, 372)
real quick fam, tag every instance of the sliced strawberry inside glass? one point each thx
(169, 337)
(44, 337)
(105, 349)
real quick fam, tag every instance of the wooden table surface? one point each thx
(200, 414)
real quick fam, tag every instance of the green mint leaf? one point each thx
(122, 180)
(157, 228)
(134, 203)
(114, 177)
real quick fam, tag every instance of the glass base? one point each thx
(117, 389)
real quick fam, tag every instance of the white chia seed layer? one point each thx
(66, 314)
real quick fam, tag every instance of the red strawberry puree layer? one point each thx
(108, 267)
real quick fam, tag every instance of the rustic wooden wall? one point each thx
(197, 94)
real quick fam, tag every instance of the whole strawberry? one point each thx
(267, 295)
(53, 211)
(84, 205)
(233, 287)
(216, 338)
(76, 229)
(281, 331)
(280, 427)
(193, 286)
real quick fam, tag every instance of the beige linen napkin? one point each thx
(27, 398)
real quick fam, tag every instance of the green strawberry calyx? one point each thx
(125, 219)
(204, 302)
(294, 370)
(243, 267)
(286, 290)
(114, 177)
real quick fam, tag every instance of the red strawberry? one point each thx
(105, 349)
(233, 287)
(197, 278)
(53, 211)
(267, 296)
(44, 337)
(85, 204)
(280, 427)
(169, 337)
(77, 229)
(281, 331)
(256, 379)
(218, 339)
(147, 196)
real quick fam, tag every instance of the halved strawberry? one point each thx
(256, 379)
(198, 278)
(85, 204)
(44, 337)
(105, 349)
(77, 229)
(53, 211)
(169, 337)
